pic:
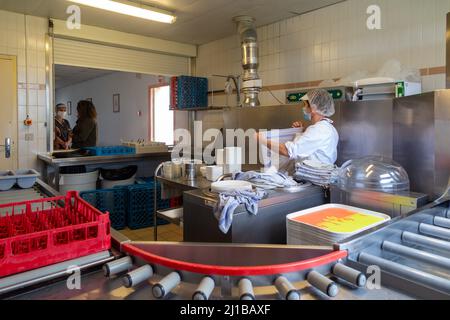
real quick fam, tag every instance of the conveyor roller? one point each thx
(286, 289)
(246, 290)
(166, 285)
(322, 283)
(405, 271)
(350, 275)
(137, 276)
(117, 266)
(205, 289)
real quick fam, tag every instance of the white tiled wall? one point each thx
(334, 42)
(24, 37)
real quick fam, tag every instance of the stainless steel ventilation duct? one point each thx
(251, 83)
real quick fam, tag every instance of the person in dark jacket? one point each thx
(85, 133)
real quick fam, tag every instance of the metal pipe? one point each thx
(166, 285)
(286, 289)
(434, 231)
(442, 222)
(251, 83)
(117, 266)
(405, 271)
(322, 283)
(425, 241)
(416, 254)
(205, 289)
(246, 290)
(137, 276)
(350, 275)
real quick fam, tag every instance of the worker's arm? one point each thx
(280, 148)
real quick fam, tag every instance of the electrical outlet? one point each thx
(29, 137)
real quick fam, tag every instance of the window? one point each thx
(162, 118)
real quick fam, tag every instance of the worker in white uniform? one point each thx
(320, 140)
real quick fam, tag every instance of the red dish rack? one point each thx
(42, 232)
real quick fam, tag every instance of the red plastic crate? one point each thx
(42, 232)
(174, 93)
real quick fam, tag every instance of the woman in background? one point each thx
(63, 133)
(85, 133)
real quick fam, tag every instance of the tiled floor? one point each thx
(169, 232)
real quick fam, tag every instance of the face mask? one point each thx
(61, 114)
(306, 115)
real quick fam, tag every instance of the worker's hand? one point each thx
(297, 124)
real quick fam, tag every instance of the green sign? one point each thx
(295, 97)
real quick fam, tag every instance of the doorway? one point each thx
(8, 112)
(162, 121)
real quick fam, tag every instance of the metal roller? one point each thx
(348, 274)
(442, 222)
(416, 254)
(117, 266)
(322, 283)
(205, 289)
(405, 271)
(425, 241)
(246, 290)
(434, 231)
(286, 289)
(166, 285)
(137, 276)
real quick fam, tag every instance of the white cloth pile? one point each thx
(266, 180)
(315, 172)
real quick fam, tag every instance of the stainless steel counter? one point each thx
(47, 161)
(67, 162)
(182, 184)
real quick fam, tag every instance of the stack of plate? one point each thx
(315, 172)
(329, 224)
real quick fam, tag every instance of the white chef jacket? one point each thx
(319, 142)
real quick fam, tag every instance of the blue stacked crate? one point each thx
(110, 151)
(141, 206)
(192, 92)
(112, 200)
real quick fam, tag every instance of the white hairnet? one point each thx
(322, 101)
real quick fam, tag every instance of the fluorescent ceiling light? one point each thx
(128, 9)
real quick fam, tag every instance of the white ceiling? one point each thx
(198, 21)
(67, 75)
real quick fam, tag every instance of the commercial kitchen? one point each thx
(224, 150)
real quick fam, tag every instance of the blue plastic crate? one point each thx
(112, 200)
(192, 92)
(111, 151)
(141, 206)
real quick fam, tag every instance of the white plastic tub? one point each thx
(7, 180)
(78, 182)
(26, 178)
(108, 184)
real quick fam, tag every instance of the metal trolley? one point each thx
(173, 215)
